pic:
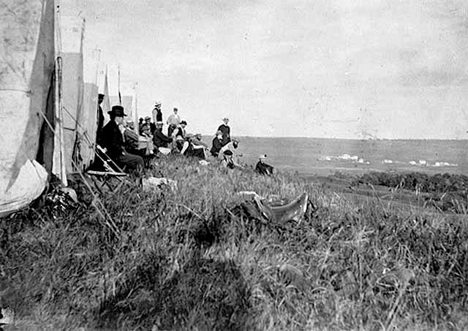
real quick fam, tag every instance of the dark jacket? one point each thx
(100, 124)
(152, 127)
(226, 131)
(263, 168)
(217, 145)
(159, 117)
(112, 139)
(160, 139)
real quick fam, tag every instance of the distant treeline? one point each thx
(439, 183)
(446, 192)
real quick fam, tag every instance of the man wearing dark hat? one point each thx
(112, 140)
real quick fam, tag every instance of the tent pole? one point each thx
(120, 95)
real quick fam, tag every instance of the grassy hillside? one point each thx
(183, 259)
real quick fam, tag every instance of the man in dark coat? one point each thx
(157, 113)
(113, 142)
(159, 138)
(100, 117)
(150, 125)
(217, 144)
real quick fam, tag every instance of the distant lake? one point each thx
(309, 156)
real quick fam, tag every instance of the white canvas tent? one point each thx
(129, 101)
(72, 34)
(87, 121)
(26, 99)
(103, 86)
(48, 100)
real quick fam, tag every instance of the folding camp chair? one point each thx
(109, 176)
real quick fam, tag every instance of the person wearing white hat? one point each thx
(157, 113)
(262, 168)
(173, 122)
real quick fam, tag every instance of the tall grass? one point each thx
(184, 259)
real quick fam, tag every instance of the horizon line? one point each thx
(360, 139)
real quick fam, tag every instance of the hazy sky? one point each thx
(316, 68)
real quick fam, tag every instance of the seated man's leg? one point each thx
(133, 162)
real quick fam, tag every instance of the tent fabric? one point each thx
(103, 85)
(72, 102)
(127, 103)
(87, 126)
(87, 122)
(72, 34)
(27, 67)
(29, 184)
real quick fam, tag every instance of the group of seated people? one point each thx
(133, 152)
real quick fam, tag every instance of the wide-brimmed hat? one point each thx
(263, 156)
(117, 111)
(147, 118)
(225, 118)
(183, 122)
